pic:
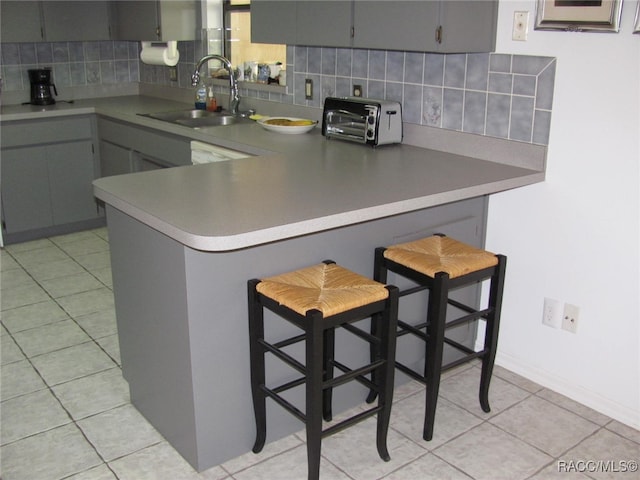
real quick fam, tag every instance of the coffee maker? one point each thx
(41, 87)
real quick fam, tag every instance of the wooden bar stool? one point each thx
(319, 299)
(440, 264)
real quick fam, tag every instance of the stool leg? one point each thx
(314, 392)
(388, 352)
(437, 315)
(379, 275)
(327, 367)
(491, 332)
(256, 333)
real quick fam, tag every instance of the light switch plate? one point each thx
(308, 89)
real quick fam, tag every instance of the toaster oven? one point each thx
(363, 120)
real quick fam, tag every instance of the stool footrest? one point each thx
(283, 356)
(410, 372)
(405, 328)
(461, 360)
(459, 346)
(409, 291)
(289, 385)
(357, 374)
(289, 341)
(372, 339)
(474, 315)
(350, 421)
(291, 408)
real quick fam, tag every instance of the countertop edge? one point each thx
(315, 225)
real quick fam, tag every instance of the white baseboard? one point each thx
(586, 397)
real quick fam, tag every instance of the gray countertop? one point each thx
(299, 185)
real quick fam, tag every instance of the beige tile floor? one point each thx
(66, 414)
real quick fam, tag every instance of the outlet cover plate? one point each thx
(552, 313)
(570, 318)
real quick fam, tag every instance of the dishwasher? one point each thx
(207, 153)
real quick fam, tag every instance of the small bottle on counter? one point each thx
(201, 97)
(212, 104)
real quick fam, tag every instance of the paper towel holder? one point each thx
(160, 53)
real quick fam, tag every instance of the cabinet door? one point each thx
(136, 20)
(26, 199)
(324, 23)
(468, 26)
(20, 21)
(178, 20)
(71, 171)
(144, 163)
(273, 22)
(76, 21)
(114, 159)
(396, 25)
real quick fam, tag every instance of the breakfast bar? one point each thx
(184, 241)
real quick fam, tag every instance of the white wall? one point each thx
(575, 237)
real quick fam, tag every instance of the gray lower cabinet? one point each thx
(114, 159)
(126, 147)
(48, 167)
(182, 329)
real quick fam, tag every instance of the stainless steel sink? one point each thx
(197, 118)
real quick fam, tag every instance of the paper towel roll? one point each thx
(160, 53)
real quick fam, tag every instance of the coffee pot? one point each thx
(41, 87)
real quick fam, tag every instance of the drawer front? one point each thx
(38, 132)
(172, 149)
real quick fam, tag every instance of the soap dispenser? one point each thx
(201, 97)
(212, 104)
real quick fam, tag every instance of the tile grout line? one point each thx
(44, 381)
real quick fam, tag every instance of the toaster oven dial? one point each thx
(371, 121)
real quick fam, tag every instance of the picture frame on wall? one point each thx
(579, 15)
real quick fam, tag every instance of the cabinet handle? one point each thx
(158, 32)
(439, 34)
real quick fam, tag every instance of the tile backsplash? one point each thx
(498, 95)
(74, 64)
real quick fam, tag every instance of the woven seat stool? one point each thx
(440, 264)
(317, 300)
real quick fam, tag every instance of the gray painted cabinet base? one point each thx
(182, 323)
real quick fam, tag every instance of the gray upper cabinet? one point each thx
(21, 22)
(77, 21)
(468, 26)
(161, 20)
(444, 26)
(324, 23)
(273, 21)
(59, 21)
(396, 25)
(317, 23)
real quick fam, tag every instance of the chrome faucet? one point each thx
(234, 97)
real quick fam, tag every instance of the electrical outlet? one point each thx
(308, 89)
(552, 313)
(357, 90)
(173, 74)
(520, 24)
(570, 318)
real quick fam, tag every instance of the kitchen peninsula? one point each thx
(184, 241)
